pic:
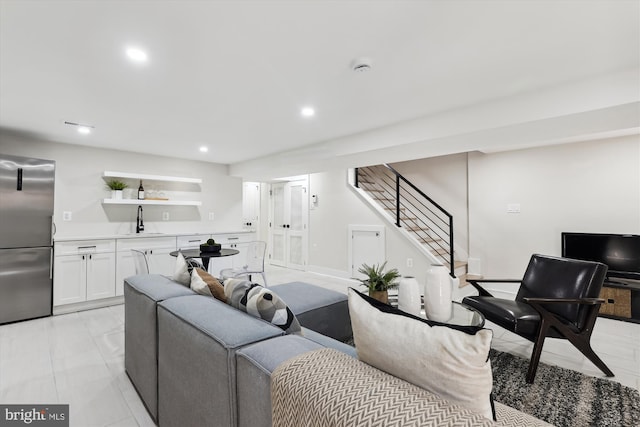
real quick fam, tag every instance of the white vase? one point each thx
(437, 294)
(409, 295)
(116, 194)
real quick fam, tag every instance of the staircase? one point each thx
(426, 222)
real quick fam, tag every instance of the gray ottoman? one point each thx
(141, 295)
(317, 308)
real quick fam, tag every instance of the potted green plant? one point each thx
(116, 186)
(378, 281)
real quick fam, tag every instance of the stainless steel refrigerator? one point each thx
(26, 251)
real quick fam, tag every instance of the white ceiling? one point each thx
(233, 75)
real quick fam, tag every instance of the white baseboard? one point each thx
(330, 272)
(87, 305)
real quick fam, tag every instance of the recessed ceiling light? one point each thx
(361, 65)
(204, 149)
(81, 128)
(308, 112)
(136, 54)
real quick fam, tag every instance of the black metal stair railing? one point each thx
(411, 208)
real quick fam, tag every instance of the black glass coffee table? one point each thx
(461, 314)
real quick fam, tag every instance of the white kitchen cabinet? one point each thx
(250, 205)
(157, 250)
(83, 271)
(192, 242)
(238, 241)
(69, 279)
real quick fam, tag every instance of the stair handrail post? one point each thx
(397, 200)
(451, 261)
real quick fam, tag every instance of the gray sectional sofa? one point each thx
(196, 361)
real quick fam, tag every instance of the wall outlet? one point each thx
(211, 216)
(409, 262)
(165, 216)
(66, 216)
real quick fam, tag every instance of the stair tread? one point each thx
(417, 228)
(464, 277)
(429, 240)
(457, 264)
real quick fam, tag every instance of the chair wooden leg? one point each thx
(537, 351)
(591, 355)
(582, 343)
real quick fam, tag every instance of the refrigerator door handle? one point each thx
(19, 186)
(51, 264)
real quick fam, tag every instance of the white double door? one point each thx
(288, 224)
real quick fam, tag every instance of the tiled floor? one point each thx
(79, 358)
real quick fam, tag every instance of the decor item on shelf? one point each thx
(437, 294)
(409, 295)
(141, 191)
(116, 186)
(378, 281)
(210, 246)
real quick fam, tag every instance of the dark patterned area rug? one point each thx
(563, 397)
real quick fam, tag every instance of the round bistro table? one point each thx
(205, 256)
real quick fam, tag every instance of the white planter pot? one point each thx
(409, 295)
(116, 194)
(437, 294)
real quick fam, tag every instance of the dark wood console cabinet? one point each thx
(622, 300)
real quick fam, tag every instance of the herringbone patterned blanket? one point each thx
(326, 388)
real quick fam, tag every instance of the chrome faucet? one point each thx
(139, 220)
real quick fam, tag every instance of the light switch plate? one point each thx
(165, 216)
(66, 216)
(513, 208)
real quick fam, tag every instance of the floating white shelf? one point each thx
(113, 174)
(151, 202)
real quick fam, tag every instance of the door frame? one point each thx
(305, 218)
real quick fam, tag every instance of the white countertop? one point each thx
(141, 235)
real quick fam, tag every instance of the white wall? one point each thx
(80, 189)
(338, 206)
(583, 187)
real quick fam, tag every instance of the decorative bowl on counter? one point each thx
(210, 248)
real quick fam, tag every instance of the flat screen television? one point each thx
(621, 252)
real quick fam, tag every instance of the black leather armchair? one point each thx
(558, 298)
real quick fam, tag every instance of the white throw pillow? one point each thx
(181, 273)
(448, 362)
